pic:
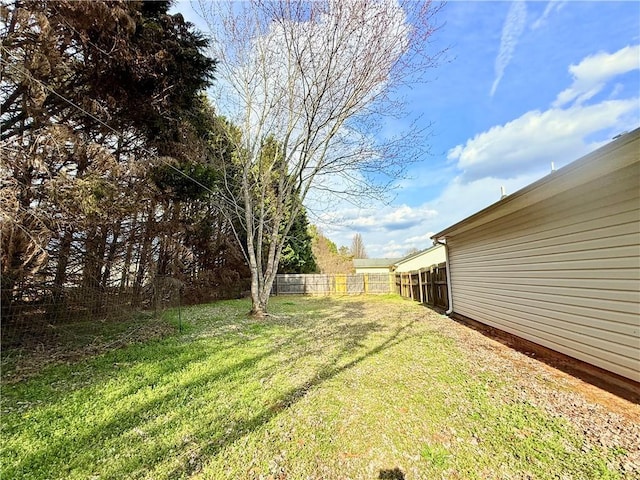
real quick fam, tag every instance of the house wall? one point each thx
(372, 269)
(563, 272)
(433, 256)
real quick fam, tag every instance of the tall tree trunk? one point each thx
(149, 228)
(258, 308)
(124, 277)
(57, 297)
(168, 227)
(11, 269)
(16, 245)
(95, 245)
(111, 255)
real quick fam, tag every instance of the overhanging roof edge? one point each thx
(477, 218)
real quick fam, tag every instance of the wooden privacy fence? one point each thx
(333, 284)
(427, 285)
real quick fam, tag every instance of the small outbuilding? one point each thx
(374, 265)
(558, 262)
(422, 259)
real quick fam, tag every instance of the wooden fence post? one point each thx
(407, 286)
(434, 286)
(410, 285)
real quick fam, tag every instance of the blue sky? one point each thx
(523, 84)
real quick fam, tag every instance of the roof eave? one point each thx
(524, 197)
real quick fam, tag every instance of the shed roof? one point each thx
(619, 153)
(373, 262)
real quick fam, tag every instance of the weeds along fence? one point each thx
(41, 316)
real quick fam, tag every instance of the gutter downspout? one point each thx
(446, 257)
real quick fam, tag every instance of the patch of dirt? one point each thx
(604, 408)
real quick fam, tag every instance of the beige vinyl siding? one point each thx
(563, 272)
(375, 270)
(433, 256)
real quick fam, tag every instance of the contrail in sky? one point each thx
(511, 31)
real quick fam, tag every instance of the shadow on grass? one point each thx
(161, 363)
(393, 474)
(175, 361)
(284, 402)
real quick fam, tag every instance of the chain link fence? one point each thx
(43, 325)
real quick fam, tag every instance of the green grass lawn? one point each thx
(356, 387)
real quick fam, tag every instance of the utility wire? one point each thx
(89, 114)
(234, 205)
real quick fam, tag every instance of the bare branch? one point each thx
(316, 78)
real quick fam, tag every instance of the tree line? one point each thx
(110, 156)
(117, 171)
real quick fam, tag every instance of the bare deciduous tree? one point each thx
(316, 77)
(357, 247)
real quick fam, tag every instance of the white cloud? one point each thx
(553, 5)
(618, 88)
(512, 155)
(387, 231)
(592, 73)
(561, 133)
(388, 218)
(419, 238)
(401, 246)
(511, 32)
(537, 138)
(459, 200)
